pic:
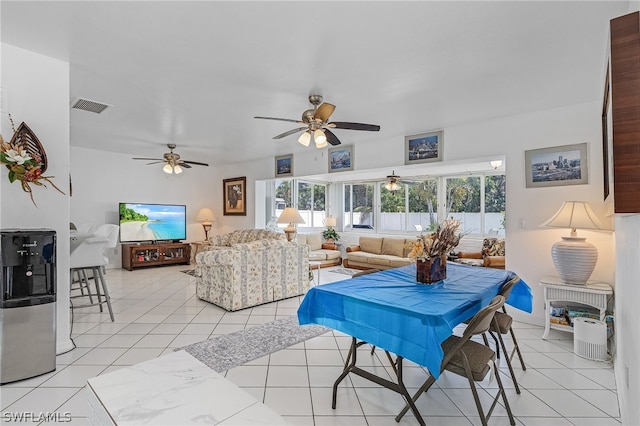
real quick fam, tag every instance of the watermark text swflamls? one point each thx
(33, 417)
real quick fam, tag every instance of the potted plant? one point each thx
(330, 235)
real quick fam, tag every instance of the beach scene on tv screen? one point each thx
(151, 222)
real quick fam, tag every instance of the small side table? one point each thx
(196, 247)
(595, 294)
(315, 265)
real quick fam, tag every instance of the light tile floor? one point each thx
(156, 311)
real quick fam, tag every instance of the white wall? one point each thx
(35, 89)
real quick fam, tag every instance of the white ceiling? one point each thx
(196, 73)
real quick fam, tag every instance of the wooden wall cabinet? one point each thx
(140, 255)
(621, 117)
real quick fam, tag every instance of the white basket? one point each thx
(590, 338)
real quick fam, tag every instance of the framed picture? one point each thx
(284, 165)
(557, 166)
(341, 159)
(423, 148)
(235, 196)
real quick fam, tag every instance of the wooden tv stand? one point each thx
(158, 254)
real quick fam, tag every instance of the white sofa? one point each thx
(325, 253)
(250, 267)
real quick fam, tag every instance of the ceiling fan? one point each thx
(174, 163)
(393, 182)
(315, 124)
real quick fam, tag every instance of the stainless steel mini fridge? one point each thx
(27, 303)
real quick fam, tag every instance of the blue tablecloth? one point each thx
(392, 311)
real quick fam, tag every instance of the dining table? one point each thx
(392, 311)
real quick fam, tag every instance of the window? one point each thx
(477, 201)
(494, 204)
(463, 202)
(358, 206)
(311, 203)
(392, 203)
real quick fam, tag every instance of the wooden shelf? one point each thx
(159, 254)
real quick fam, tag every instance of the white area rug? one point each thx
(222, 353)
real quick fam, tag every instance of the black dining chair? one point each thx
(471, 359)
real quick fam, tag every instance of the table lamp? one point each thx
(573, 257)
(330, 222)
(290, 216)
(205, 216)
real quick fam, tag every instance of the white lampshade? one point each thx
(177, 169)
(573, 257)
(167, 168)
(305, 138)
(205, 216)
(290, 216)
(330, 221)
(319, 138)
(496, 163)
(392, 186)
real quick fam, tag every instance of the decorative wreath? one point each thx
(26, 159)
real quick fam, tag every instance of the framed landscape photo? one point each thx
(341, 159)
(235, 196)
(423, 148)
(557, 166)
(284, 165)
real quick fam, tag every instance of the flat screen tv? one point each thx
(152, 222)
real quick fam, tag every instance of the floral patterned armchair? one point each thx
(249, 267)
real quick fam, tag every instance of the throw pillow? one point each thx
(314, 241)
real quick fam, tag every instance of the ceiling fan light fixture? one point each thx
(167, 168)
(392, 186)
(305, 138)
(320, 138)
(496, 163)
(177, 169)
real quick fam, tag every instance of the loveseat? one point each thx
(250, 267)
(378, 253)
(325, 253)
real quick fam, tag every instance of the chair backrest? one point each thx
(110, 233)
(505, 291)
(365, 272)
(89, 253)
(481, 321)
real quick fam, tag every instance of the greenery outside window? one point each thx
(358, 206)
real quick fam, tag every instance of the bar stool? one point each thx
(89, 257)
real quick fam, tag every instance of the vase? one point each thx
(431, 270)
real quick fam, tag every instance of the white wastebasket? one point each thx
(590, 338)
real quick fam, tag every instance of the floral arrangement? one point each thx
(438, 243)
(25, 167)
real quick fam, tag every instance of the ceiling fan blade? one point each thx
(154, 162)
(331, 137)
(184, 164)
(354, 126)
(324, 111)
(281, 119)
(197, 163)
(290, 132)
(148, 159)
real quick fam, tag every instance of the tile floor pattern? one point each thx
(156, 311)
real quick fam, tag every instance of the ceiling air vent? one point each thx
(87, 105)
